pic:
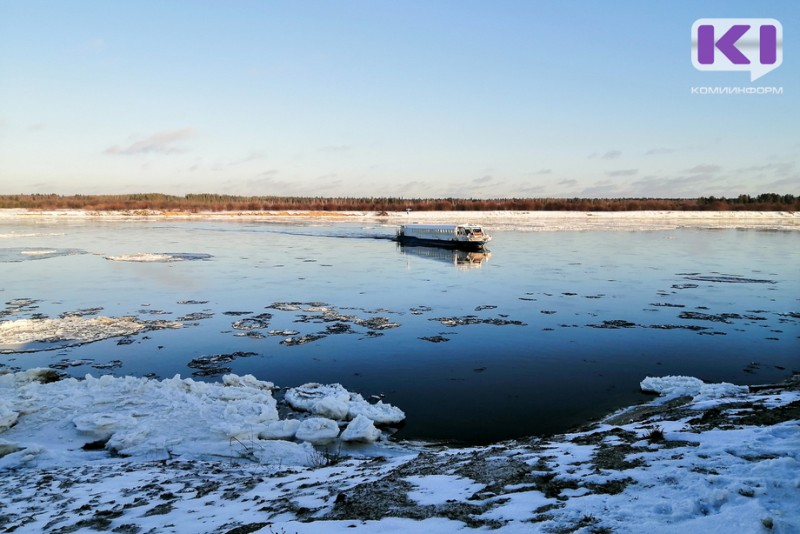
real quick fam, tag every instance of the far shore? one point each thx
(493, 220)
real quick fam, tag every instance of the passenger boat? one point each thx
(462, 236)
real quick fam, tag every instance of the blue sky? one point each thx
(376, 98)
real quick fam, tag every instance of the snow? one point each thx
(438, 489)
(213, 457)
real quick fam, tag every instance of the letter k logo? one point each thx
(726, 44)
(753, 45)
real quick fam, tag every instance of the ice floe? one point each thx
(13, 255)
(160, 257)
(17, 235)
(71, 329)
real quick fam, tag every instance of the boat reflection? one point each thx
(461, 259)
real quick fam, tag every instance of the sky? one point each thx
(408, 98)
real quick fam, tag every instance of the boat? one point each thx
(461, 236)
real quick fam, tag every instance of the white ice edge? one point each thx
(494, 220)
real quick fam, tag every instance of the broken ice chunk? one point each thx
(285, 429)
(361, 429)
(329, 401)
(306, 396)
(8, 416)
(103, 425)
(317, 430)
(331, 407)
(380, 413)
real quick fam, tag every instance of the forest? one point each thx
(217, 202)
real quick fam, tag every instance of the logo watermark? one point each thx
(728, 90)
(754, 45)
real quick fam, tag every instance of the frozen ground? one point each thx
(496, 220)
(140, 455)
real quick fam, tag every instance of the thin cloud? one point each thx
(691, 185)
(611, 154)
(268, 182)
(540, 172)
(486, 186)
(336, 148)
(252, 156)
(704, 169)
(790, 184)
(255, 155)
(659, 151)
(328, 182)
(771, 168)
(569, 183)
(622, 172)
(159, 143)
(601, 190)
(412, 188)
(531, 190)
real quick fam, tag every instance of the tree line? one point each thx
(216, 202)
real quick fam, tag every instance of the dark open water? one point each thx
(543, 333)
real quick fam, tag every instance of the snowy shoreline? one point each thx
(497, 220)
(711, 457)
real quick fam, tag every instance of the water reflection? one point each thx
(461, 259)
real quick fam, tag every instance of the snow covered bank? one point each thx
(495, 220)
(50, 423)
(719, 463)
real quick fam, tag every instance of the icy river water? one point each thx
(544, 332)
